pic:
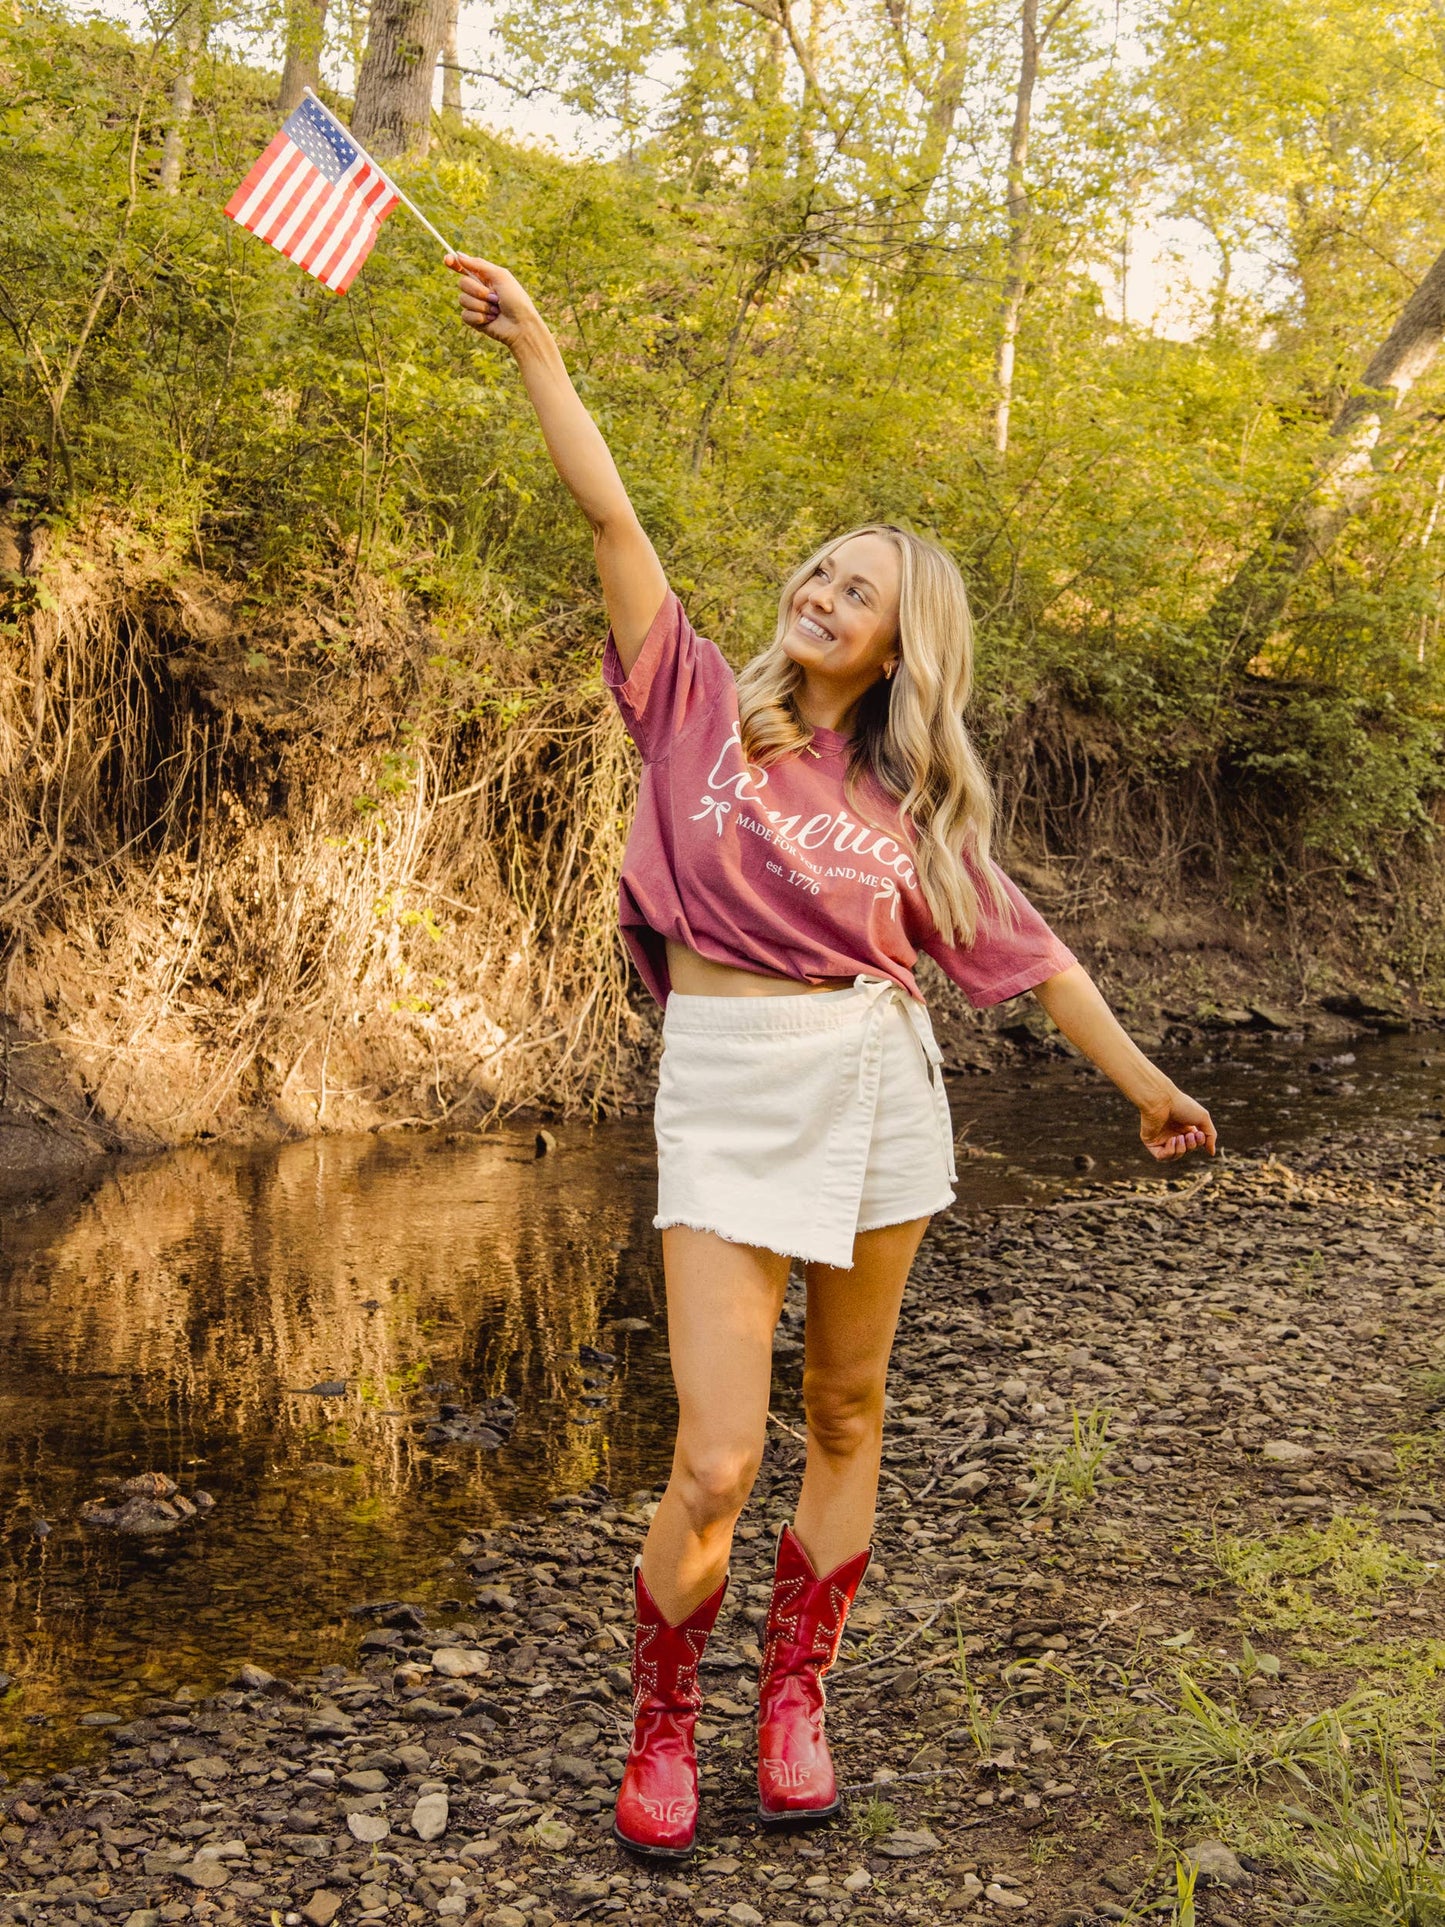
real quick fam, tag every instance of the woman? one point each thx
(803, 830)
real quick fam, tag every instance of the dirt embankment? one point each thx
(1157, 1600)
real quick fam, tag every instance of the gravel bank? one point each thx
(1258, 1333)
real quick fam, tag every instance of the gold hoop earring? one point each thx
(888, 669)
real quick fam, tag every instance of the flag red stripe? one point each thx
(325, 257)
(282, 171)
(328, 248)
(296, 215)
(279, 194)
(359, 233)
(325, 216)
(354, 267)
(238, 199)
(340, 277)
(343, 269)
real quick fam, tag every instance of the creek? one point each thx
(281, 1327)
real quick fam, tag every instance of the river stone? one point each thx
(1215, 1864)
(555, 1835)
(429, 1816)
(905, 1843)
(1287, 1452)
(460, 1662)
(1004, 1896)
(368, 1827)
(367, 1779)
(322, 1908)
(204, 1873)
(253, 1679)
(1272, 1017)
(140, 1515)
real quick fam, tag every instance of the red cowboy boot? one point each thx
(656, 1809)
(805, 1625)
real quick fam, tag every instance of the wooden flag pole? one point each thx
(406, 202)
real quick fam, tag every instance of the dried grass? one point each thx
(227, 891)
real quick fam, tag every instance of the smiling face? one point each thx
(844, 627)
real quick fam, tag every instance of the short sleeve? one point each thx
(1008, 955)
(678, 676)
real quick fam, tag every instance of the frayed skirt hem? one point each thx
(907, 1217)
(740, 1238)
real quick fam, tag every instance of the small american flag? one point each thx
(316, 196)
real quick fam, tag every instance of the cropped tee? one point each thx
(772, 869)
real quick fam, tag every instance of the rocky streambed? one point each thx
(1163, 1498)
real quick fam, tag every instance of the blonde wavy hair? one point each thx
(909, 737)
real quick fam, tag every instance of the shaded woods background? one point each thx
(312, 806)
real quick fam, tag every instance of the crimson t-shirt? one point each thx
(771, 869)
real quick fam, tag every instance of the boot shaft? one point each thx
(807, 1613)
(665, 1658)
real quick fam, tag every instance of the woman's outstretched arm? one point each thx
(495, 303)
(1170, 1124)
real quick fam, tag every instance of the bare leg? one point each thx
(852, 1316)
(723, 1302)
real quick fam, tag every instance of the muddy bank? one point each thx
(48, 1138)
(1259, 1518)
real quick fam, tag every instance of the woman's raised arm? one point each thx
(496, 304)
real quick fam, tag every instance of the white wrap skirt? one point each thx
(795, 1122)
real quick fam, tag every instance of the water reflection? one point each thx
(174, 1320)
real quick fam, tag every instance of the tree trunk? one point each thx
(944, 100)
(1020, 221)
(183, 97)
(392, 114)
(451, 69)
(1346, 473)
(305, 37)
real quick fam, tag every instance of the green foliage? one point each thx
(1281, 1577)
(781, 301)
(1207, 1744)
(1068, 1477)
(874, 1820)
(982, 1720)
(1369, 1850)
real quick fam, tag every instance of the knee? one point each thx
(845, 1415)
(713, 1482)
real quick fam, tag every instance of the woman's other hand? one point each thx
(1175, 1126)
(494, 302)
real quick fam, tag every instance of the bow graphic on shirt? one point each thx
(888, 894)
(719, 806)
